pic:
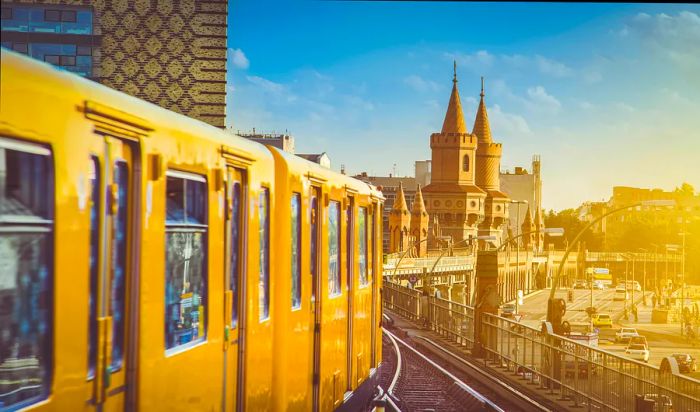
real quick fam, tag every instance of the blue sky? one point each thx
(607, 94)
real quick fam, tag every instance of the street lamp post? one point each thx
(517, 247)
(560, 269)
(644, 276)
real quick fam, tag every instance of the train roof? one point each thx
(42, 78)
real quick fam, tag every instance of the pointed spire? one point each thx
(528, 225)
(481, 128)
(454, 118)
(400, 201)
(539, 222)
(418, 206)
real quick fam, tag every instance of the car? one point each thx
(580, 284)
(598, 284)
(642, 340)
(662, 403)
(508, 310)
(624, 334)
(601, 319)
(686, 363)
(570, 369)
(621, 294)
(633, 284)
(638, 352)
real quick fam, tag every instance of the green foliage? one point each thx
(572, 225)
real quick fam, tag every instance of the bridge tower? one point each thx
(399, 223)
(452, 195)
(488, 165)
(419, 223)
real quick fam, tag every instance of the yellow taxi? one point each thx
(602, 319)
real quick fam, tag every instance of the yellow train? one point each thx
(151, 262)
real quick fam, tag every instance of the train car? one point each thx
(149, 261)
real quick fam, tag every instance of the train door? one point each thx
(113, 210)
(350, 273)
(375, 278)
(315, 220)
(236, 189)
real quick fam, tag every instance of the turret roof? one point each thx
(418, 206)
(400, 201)
(527, 222)
(454, 118)
(482, 128)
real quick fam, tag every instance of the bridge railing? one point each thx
(402, 300)
(584, 375)
(452, 320)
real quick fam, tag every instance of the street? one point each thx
(663, 339)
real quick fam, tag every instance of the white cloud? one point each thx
(624, 107)
(266, 85)
(540, 99)
(237, 58)
(419, 84)
(585, 105)
(543, 64)
(507, 124)
(476, 60)
(552, 67)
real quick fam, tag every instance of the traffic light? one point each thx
(556, 308)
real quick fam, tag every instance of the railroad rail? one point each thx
(418, 383)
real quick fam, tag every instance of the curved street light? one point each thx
(560, 269)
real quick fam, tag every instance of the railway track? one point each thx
(416, 383)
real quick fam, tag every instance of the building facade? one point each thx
(171, 53)
(521, 185)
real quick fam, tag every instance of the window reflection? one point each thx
(362, 226)
(236, 226)
(25, 274)
(333, 249)
(296, 251)
(264, 250)
(185, 254)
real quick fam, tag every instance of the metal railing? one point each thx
(586, 376)
(452, 320)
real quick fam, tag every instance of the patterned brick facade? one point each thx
(171, 53)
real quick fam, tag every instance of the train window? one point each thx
(117, 295)
(362, 226)
(236, 230)
(334, 249)
(350, 258)
(372, 236)
(264, 262)
(313, 249)
(94, 177)
(185, 255)
(296, 250)
(26, 273)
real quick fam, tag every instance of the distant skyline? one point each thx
(607, 94)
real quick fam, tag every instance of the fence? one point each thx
(586, 376)
(451, 320)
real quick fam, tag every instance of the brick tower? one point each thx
(419, 223)
(399, 223)
(488, 164)
(452, 194)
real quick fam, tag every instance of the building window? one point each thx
(68, 16)
(185, 259)
(53, 59)
(84, 51)
(52, 15)
(334, 248)
(21, 48)
(296, 250)
(67, 60)
(26, 274)
(6, 13)
(264, 251)
(465, 163)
